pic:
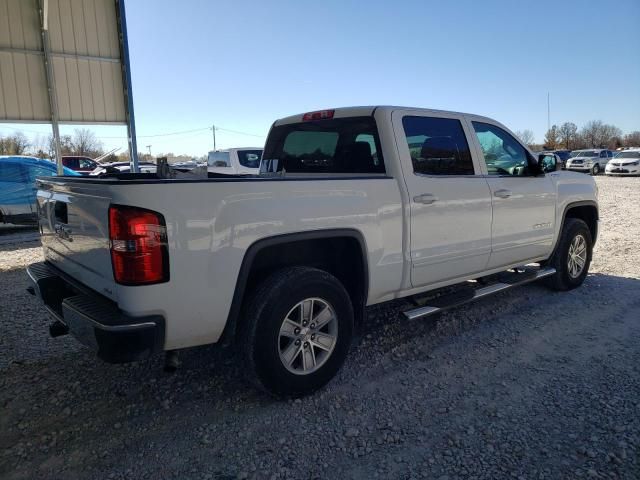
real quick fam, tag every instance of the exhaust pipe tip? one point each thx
(58, 329)
(171, 361)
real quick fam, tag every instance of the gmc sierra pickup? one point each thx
(352, 207)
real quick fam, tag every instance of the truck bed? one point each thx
(210, 224)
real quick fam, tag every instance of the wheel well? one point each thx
(343, 256)
(588, 214)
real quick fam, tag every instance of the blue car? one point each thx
(18, 187)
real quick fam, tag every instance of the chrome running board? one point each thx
(427, 310)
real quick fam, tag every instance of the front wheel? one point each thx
(298, 329)
(595, 170)
(572, 256)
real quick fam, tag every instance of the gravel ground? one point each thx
(529, 384)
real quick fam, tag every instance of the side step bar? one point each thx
(479, 293)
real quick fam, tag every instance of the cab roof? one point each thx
(366, 111)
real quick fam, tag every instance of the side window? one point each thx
(85, 164)
(219, 159)
(249, 158)
(438, 146)
(72, 163)
(603, 154)
(502, 153)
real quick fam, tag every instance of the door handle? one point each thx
(425, 198)
(502, 193)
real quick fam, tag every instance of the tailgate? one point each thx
(74, 224)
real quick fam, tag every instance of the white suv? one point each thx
(593, 161)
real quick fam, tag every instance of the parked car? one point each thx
(353, 207)
(593, 161)
(82, 165)
(626, 162)
(563, 155)
(18, 187)
(122, 167)
(235, 161)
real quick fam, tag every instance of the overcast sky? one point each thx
(242, 64)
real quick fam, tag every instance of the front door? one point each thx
(450, 202)
(524, 204)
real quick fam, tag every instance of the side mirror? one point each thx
(547, 163)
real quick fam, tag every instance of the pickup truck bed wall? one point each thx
(209, 244)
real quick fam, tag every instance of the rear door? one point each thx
(450, 202)
(524, 205)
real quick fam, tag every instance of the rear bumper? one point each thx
(95, 321)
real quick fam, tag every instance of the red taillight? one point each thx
(138, 240)
(319, 115)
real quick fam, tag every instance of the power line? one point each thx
(240, 133)
(155, 135)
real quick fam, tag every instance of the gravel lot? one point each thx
(529, 384)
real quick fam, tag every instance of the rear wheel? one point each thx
(572, 256)
(298, 328)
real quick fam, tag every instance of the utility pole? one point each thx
(149, 147)
(213, 129)
(548, 112)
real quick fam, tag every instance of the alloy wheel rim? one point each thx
(577, 256)
(308, 336)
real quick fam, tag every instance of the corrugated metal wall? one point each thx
(85, 56)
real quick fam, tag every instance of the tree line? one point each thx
(594, 134)
(82, 142)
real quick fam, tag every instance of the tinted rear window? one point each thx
(341, 145)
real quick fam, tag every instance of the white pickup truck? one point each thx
(353, 207)
(235, 161)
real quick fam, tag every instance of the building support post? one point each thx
(43, 7)
(126, 84)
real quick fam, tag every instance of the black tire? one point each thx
(563, 280)
(264, 314)
(595, 170)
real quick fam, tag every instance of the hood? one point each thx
(624, 161)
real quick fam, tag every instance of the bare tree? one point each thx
(66, 146)
(551, 138)
(632, 139)
(16, 144)
(20, 143)
(84, 142)
(591, 133)
(567, 134)
(4, 145)
(597, 134)
(609, 136)
(526, 136)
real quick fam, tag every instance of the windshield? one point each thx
(339, 145)
(584, 153)
(249, 158)
(628, 155)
